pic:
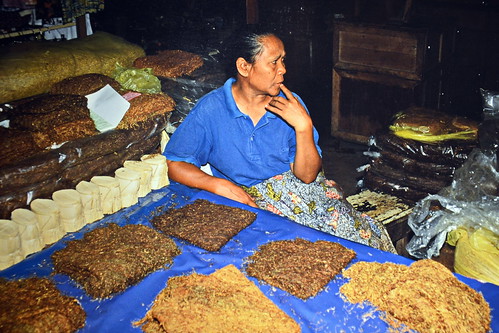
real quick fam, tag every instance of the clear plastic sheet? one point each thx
(450, 152)
(40, 175)
(414, 166)
(412, 170)
(488, 132)
(186, 92)
(471, 201)
(490, 103)
(430, 184)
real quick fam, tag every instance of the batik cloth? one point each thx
(319, 205)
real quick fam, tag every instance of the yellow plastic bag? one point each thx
(428, 138)
(477, 253)
(432, 126)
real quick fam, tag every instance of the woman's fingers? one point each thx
(277, 102)
(287, 92)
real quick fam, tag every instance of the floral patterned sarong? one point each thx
(319, 205)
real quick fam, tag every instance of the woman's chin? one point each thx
(275, 91)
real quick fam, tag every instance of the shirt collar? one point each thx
(231, 102)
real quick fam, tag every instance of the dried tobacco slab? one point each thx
(49, 111)
(170, 63)
(225, 301)
(424, 296)
(110, 259)
(449, 152)
(84, 84)
(145, 107)
(36, 305)
(300, 267)
(203, 223)
(15, 146)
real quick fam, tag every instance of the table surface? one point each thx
(326, 312)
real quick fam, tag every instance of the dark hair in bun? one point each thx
(246, 43)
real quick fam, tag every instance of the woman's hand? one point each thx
(230, 190)
(190, 175)
(291, 111)
(308, 162)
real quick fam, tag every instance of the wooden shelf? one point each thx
(79, 22)
(35, 30)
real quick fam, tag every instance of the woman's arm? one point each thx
(190, 175)
(308, 162)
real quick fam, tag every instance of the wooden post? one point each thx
(251, 11)
(81, 26)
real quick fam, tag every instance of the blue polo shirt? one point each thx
(216, 132)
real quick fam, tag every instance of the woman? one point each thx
(260, 142)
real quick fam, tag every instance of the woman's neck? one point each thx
(248, 102)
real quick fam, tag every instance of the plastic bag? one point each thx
(477, 253)
(186, 92)
(431, 126)
(471, 201)
(490, 103)
(488, 132)
(141, 80)
(452, 153)
(410, 134)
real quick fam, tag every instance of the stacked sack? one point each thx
(419, 153)
(29, 230)
(51, 141)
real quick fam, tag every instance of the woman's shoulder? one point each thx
(215, 99)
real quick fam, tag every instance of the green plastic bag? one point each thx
(477, 253)
(137, 79)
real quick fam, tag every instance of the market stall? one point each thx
(50, 138)
(328, 311)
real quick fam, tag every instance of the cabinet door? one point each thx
(364, 103)
(402, 52)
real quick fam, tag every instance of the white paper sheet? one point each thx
(107, 108)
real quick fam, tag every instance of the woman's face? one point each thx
(267, 72)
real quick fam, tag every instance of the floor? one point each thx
(341, 161)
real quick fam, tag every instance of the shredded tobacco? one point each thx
(203, 223)
(36, 305)
(110, 259)
(425, 297)
(300, 267)
(224, 301)
(170, 63)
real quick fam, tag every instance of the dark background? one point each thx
(306, 27)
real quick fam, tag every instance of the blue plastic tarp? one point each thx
(326, 312)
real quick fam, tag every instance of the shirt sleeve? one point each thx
(190, 142)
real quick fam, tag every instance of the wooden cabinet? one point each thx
(379, 71)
